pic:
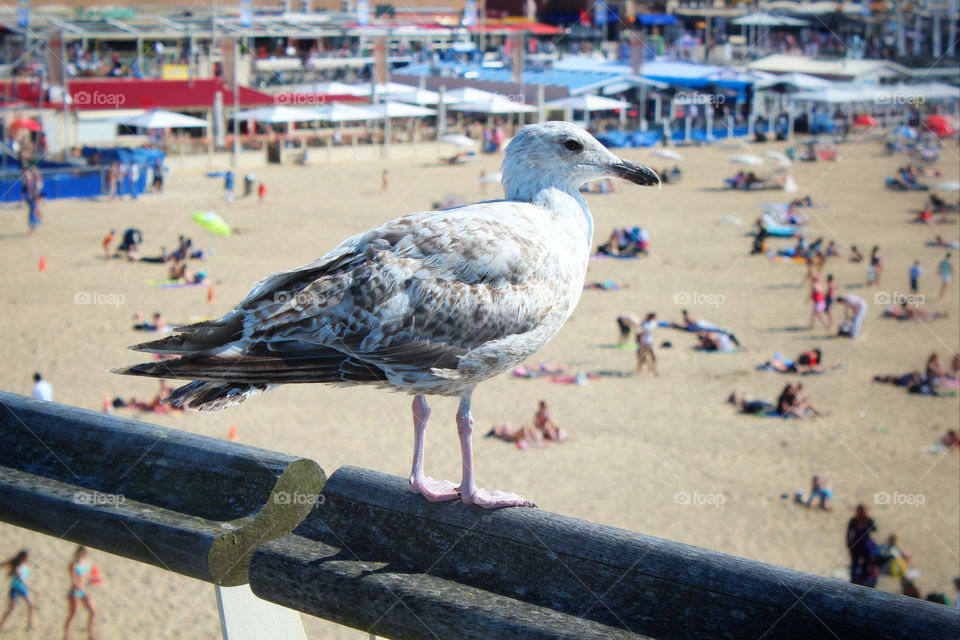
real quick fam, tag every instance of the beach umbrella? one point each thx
(25, 123)
(940, 125)
(865, 121)
(458, 140)
(669, 154)
(779, 157)
(277, 114)
(212, 222)
(949, 185)
(160, 119)
(747, 159)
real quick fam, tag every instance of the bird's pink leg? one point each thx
(433, 490)
(470, 493)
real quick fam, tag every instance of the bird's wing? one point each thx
(412, 295)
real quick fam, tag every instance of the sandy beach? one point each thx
(664, 456)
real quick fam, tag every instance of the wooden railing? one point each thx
(363, 551)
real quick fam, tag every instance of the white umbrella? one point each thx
(587, 103)
(159, 119)
(495, 105)
(458, 140)
(779, 157)
(669, 154)
(338, 112)
(277, 114)
(398, 110)
(794, 82)
(383, 90)
(747, 159)
(949, 185)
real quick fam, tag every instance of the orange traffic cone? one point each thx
(43, 262)
(232, 432)
(210, 293)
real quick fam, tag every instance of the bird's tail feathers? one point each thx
(203, 395)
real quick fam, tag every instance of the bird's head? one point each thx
(562, 155)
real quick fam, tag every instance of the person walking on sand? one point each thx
(875, 269)
(915, 272)
(645, 342)
(19, 572)
(107, 241)
(946, 275)
(385, 180)
(818, 299)
(831, 297)
(228, 178)
(80, 570)
(861, 546)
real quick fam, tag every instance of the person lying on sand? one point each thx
(905, 311)
(158, 323)
(689, 322)
(542, 430)
(156, 405)
(742, 400)
(810, 361)
(714, 341)
(823, 489)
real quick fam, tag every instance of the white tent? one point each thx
(469, 94)
(338, 112)
(159, 119)
(330, 88)
(277, 114)
(588, 103)
(494, 106)
(763, 19)
(397, 110)
(383, 90)
(422, 96)
(793, 82)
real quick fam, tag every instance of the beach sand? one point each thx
(639, 446)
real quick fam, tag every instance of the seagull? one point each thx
(431, 303)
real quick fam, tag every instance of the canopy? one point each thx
(397, 110)
(495, 105)
(763, 19)
(160, 119)
(338, 112)
(587, 103)
(277, 114)
(383, 90)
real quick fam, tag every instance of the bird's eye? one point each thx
(573, 145)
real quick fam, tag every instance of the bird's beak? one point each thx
(635, 173)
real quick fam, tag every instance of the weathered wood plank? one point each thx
(388, 602)
(216, 500)
(614, 577)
